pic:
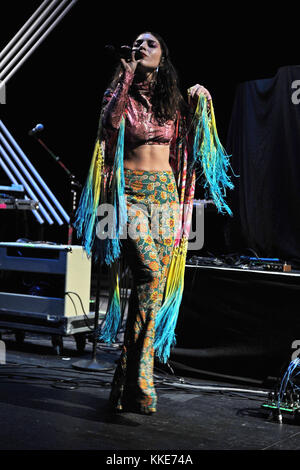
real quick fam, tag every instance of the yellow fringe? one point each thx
(175, 276)
(97, 167)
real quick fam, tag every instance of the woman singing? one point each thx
(150, 144)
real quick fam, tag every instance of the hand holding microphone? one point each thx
(124, 52)
(128, 56)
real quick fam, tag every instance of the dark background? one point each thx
(62, 83)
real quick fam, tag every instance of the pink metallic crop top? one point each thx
(141, 127)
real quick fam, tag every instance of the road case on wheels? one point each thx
(45, 288)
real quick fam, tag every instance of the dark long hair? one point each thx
(167, 99)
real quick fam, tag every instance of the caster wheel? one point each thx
(57, 343)
(80, 339)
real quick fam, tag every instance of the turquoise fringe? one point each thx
(210, 154)
(107, 251)
(165, 324)
(111, 327)
(86, 214)
(166, 317)
(111, 249)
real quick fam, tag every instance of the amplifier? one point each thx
(20, 204)
(45, 288)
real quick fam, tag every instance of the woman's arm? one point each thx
(114, 102)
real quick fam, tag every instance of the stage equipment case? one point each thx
(45, 288)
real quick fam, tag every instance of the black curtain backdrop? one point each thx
(264, 141)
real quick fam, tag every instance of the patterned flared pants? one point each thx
(152, 207)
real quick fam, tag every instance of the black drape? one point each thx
(264, 141)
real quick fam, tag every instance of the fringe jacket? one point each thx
(195, 146)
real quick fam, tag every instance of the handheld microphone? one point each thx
(36, 129)
(124, 52)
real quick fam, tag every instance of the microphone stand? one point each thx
(75, 186)
(90, 364)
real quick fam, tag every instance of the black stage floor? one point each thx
(48, 404)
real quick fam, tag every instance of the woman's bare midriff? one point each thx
(148, 158)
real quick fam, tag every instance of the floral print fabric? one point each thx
(152, 206)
